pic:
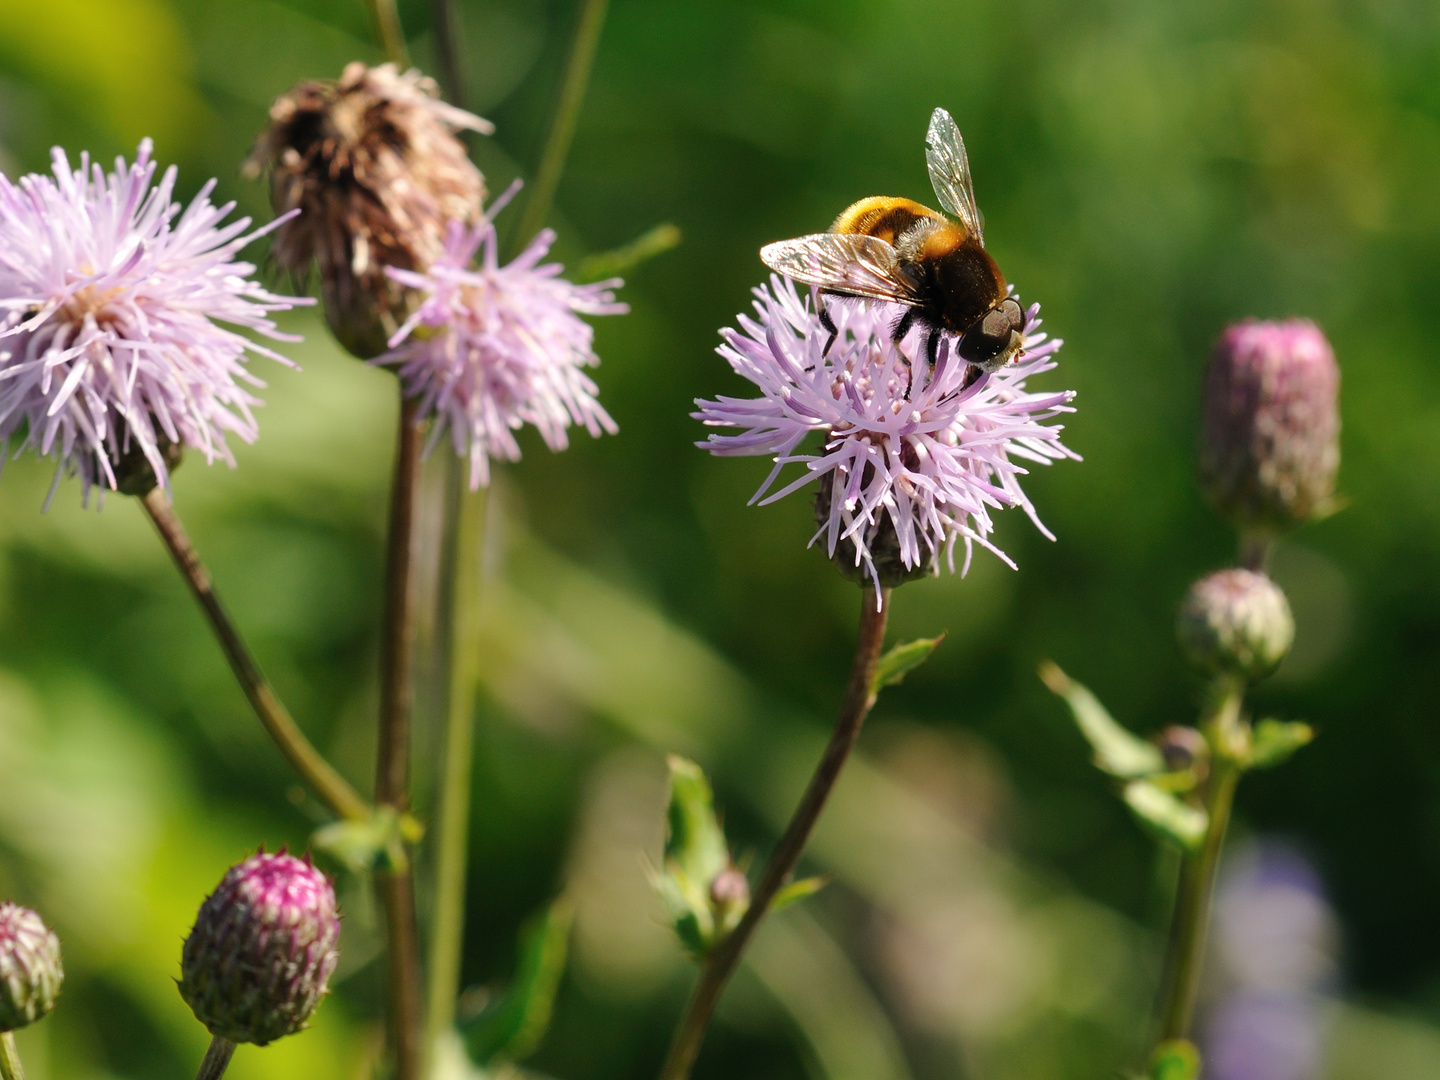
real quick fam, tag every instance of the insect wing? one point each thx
(845, 263)
(950, 173)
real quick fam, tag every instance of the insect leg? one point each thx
(827, 322)
(932, 349)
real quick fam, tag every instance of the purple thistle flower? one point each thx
(110, 351)
(912, 460)
(31, 972)
(493, 348)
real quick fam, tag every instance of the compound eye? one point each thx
(986, 339)
(1014, 314)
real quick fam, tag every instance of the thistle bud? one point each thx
(1270, 443)
(373, 164)
(1235, 622)
(262, 951)
(30, 970)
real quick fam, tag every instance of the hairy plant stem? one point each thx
(10, 1067)
(217, 1059)
(387, 29)
(329, 785)
(446, 32)
(467, 511)
(395, 884)
(562, 123)
(1191, 921)
(1255, 545)
(721, 963)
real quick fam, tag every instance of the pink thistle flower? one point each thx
(493, 348)
(111, 356)
(912, 460)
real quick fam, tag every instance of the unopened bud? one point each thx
(730, 891)
(1235, 622)
(262, 951)
(1184, 750)
(30, 969)
(1270, 442)
(374, 166)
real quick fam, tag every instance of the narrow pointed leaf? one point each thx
(1117, 751)
(798, 890)
(1275, 740)
(622, 260)
(901, 660)
(1166, 816)
(512, 1027)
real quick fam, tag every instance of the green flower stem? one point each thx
(395, 885)
(562, 124)
(217, 1059)
(10, 1067)
(387, 29)
(1197, 872)
(452, 825)
(721, 963)
(1255, 545)
(329, 785)
(447, 50)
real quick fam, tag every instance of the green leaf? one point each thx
(622, 260)
(1166, 816)
(511, 1028)
(901, 660)
(1176, 1059)
(695, 843)
(695, 853)
(1117, 751)
(798, 890)
(376, 843)
(1275, 740)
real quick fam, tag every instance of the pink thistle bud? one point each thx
(372, 162)
(30, 970)
(263, 949)
(1270, 443)
(1237, 623)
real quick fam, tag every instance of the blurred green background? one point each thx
(1148, 171)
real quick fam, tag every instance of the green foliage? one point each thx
(607, 264)
(1117, 751)
(1274, 741)
(695, 857)
(376, 843)
(1175, 1060)
(798, 890)
(510, 1027)
(1166, 816)
(892, 668)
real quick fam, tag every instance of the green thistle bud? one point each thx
(30, 969)
(262, 951)
(1235, 622)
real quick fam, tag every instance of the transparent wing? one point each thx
(844, 263)
(950, 173)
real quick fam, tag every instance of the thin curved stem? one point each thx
(452, 825)
(217, 1059)
(1191, 921)
(396, 885)
(10, 1067)
(329, 785)
(387, 29)
(721, 963)
(562, 124)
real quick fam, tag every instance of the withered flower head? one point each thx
(374, 166)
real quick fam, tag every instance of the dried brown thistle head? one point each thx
(374, 166)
